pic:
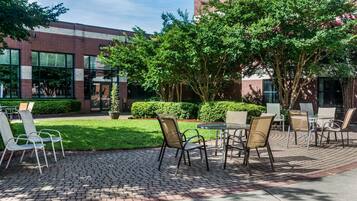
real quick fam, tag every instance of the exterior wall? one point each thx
(251, 86)
(63, 37)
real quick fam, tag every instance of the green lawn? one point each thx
(109, 134)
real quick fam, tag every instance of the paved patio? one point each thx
(133, 174)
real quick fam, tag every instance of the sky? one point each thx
(120, 14)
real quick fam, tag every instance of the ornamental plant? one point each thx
(114, 106)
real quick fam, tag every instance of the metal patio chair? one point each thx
(339, 126)
(258, 137)
(307, 107)
(236, 117)
(52, 136)
(275, 109)
(11, 143)
(30, 106)
(173, 139)
(299, 122)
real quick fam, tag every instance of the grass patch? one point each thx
(109, 134)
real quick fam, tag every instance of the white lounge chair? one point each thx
(52, 136)
(274, 109)
(325, 116)
(11, 143)
(236, 117)
(307, 107)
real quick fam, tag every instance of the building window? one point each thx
(9, 73)
(330, 93)
(52, 75)
(270, 92)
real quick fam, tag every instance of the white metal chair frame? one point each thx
(237, 117)
(10, 143)
(309, 130)
(275, 109)
(53, 136)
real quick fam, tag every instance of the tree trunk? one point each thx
(347, 93)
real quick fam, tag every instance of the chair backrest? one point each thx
(259, 131)
(236, 117)
(326, 113)
(307, 107)
(299, 120)
(28, 122)
(23, 106)
(348, 118)
(5, 130)
(30, 106)
(273, 108)
(170, 131)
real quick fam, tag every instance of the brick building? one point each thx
(61, 62)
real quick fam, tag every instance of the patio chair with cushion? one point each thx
(173, 139)
(258, 137)
(299, 122)
(11, 144)
(52, 136)
(275, 109)
(339, 126)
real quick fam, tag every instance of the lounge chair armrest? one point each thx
(37, 134)
(200, 137)
(191, 129)
(34, 135)
(51, 131)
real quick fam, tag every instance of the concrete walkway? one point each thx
(341, 187)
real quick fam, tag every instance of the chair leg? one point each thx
(348, 138)
(188, 158)
(247, 162)
(322, 135)
(225, 158)
(177, 151)
(308, 139)
(178, 164)
(271, 157)
(22, 155)
(257, 152)
(162, 146)
(206, 158)
(328, 137)
(287, 144)
(44, 155)
(62, 149)
(335, 136)
(283, 122)
(216, 145)
(54, 151)
(295, 137)
(8, 162)
(2, 157)
(343, 144)
(162, 156)
(184, 157)
(38, 161)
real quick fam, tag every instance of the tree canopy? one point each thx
(18, 17)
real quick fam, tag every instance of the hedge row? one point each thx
(207, 112)
(216, 111)
(48, 106)
(181, 110)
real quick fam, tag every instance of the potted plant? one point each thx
(114, 111)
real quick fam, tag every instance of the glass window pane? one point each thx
(86, 62)
(69, 61)
(15, 59)
(34, 58)
(5, 57)
(52, 60)
(93, 61)
(9, 81)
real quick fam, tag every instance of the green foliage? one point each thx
(181, 110)
(288, 39)
(18, 17)
(47, 106)
(216, 111)
(114, 99)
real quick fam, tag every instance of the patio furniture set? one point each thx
(236, 134)
(32, 139)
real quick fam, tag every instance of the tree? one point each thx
(18, 17)
(201, 54)
(288, 39)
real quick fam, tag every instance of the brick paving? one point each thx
(133, 174)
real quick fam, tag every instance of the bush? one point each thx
(48, 106)
(181, 110)
(216, 111)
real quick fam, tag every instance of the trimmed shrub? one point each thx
(181, 110)
(216, 111)
(48, 106)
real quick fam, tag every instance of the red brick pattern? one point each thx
(26, 88)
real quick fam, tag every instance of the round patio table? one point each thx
(220, 128)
